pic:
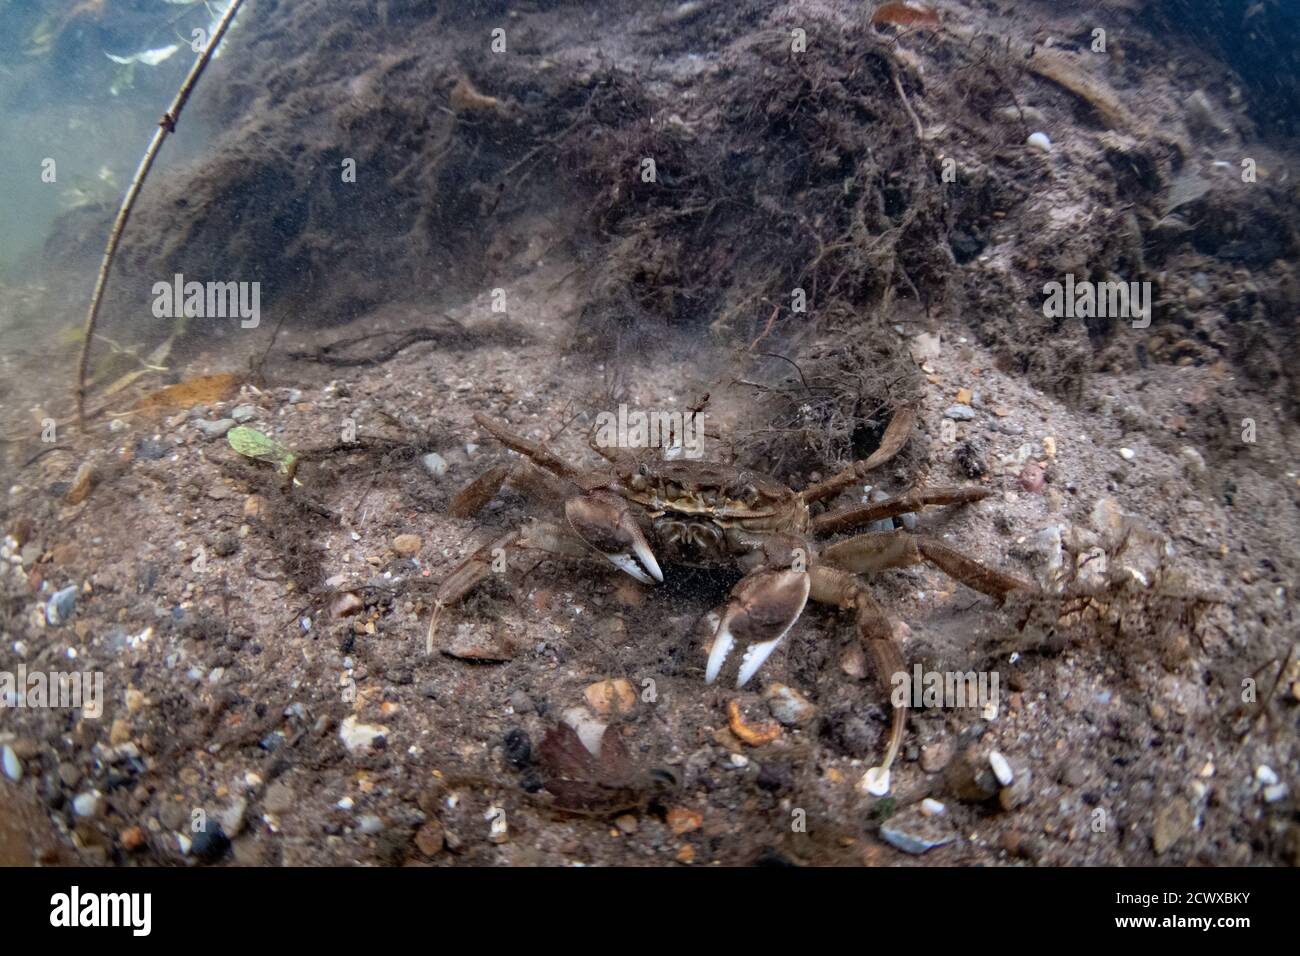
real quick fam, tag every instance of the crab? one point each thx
(640, 515)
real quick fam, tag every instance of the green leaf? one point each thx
(251, 443)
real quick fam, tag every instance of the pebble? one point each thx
(132, 839)
(234, 816)
(960, 413)
(210, 844)
(915, 833)
(1265, 775)
(215, 429)
(518, 747)
(1039, 141)
(13, 767)
(1274, 793)
(589, 730)
(370, 824)
(1192, 460)
(788, 705)
(1017, 794)
(407, 545)
(934, 757)
(479, 643)
(360, 738)
(931, 807)
(1001, 768)
(1127, 454)
(429, 838)
(87, 805)
(434, 464)
(346, 605)
(611, 697)
(1031, 478)
(62, 606)
(244, 412)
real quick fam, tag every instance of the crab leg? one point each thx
(764, 606)
(841, 589)
(844, 519)
(895, 549)
(891, 443)
(605, 522)
(532, 481)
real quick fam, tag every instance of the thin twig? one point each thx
(165, 125)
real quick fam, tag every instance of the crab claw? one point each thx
(764, 606)
(605, 523)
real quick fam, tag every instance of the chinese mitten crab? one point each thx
(641, 515)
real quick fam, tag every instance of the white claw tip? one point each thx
(723, 642)
(876, 781)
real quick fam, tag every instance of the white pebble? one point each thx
(1001, 768)
(931, 807)
(1274, 793)
(434, 464)
(1265, 775)
(13, 767)
(1126, 453)
(1040, 141)
(86, 804)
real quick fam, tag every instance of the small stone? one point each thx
(1265, 775)
(407, 545)
(788, 705)
(682, 820)
(479, 643)
(61, 606)
(434, 464)
(915, 833)
(627, 824)
(1127, 454)
(1017, 794)
(521, 703)
(429, 838)
(1172, 822)
(132, 839)
(345, 605)
(361, 738)
(255, 506)
(934, 757)
(1192, 460)
(13, 767)
(82, 483)
(211, 843)
(119, 733)
(1032, 477)
(931, 807)
(499, 829)
(875, 781)
(518, 748)
(1049, 446)
(244, 412)
(611, 697)
(88, 805)
(1001, 768)
(1039, 141)
(370, 824)
(233, 817)
(1274, 793)
(960, 413)
(215, 429)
